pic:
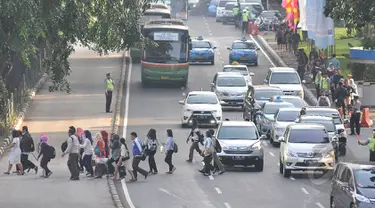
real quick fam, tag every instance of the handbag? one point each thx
(126, 157)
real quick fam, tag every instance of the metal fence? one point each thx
(19, 81)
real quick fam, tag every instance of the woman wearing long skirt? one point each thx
(124, 161)
(15, 154)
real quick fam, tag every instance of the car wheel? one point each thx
(213, 62)
(286, 172)
(256, 64)
(259, 166)
(281, 167)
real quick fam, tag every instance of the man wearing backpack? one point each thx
(27, 147)
(72, 150)
(138, 155)
(196, 137)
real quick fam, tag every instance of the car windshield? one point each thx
(273, 108)
(237, 133)
(231, 82)
(285, 78)
(201, 99)
(335, 116)
(269, 14)
(288, 116)
(201, 44)
(298, 102)
(244, 45)
(329, 125)
(308, 135)
(242, 70)
(223, 3)
(229, 7)
(365, 178)
(266, 94)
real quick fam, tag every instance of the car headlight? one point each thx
(220, 93)
(188, 110)
(224, 147)
(256, 146)
(362, 198)
(210, 52)
(291, 154)
(255, 53)
(330, 154)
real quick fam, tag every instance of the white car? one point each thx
(283, 118)
(305, 147)
(230, 88)
(203, 106)
(241, 69)
(287, 79)
(220, 9)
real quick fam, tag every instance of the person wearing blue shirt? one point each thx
(137, 155)
(207, 153)
(335, 62)
(169, 151)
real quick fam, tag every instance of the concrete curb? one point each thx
(22, 114)
(309, 96)
(115, 125)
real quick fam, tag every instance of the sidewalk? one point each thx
(53, 113)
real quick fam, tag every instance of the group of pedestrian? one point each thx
(287, 37)
(210, 147)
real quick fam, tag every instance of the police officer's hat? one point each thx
(108, 74)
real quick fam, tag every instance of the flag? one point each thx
(295, 7)
(287, 4)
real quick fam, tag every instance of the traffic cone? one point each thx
(256, 30)
(250, 28)
(366, 121)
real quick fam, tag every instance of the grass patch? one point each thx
(342, 48)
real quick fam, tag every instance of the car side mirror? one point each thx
(340, 131)
(281, 139)
(214, 47)
(229, 49)
(346, 121)
(181, 102)
(222, 102)
(251, 74)
(263, 137)
(258, 49)
(212, 84)
(303, 81)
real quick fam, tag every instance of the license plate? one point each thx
(311, 161)
(200, 57)
(243, 59)
(202, 117)
(238, 158)
(164, 77)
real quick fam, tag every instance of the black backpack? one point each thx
(217, 146)
(175, 148)
(52, 151)
(64, 145)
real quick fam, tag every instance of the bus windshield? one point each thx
(170, 46)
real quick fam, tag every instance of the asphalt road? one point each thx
(157, 107)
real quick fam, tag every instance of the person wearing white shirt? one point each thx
(15, 154)
(88, 151)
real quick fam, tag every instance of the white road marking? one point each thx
(319, 205)
(305, 191)
(272, 154)
(293, 179)
(218, 190)
(169, 193)
(261, 49)
(205, 23)
(127, 96)
(227, 205)
(209, 33)
(211, 177)
(278, 164)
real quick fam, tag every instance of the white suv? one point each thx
(306, 147)
(287, 79)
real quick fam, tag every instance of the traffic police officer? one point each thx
(235, 14)
(245, 20)
(371, 145)
(318, 81)
(324, 84)
(109, 87)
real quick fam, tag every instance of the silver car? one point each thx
(241, 144)
(230, 88)
(306, 147)
(283, 118)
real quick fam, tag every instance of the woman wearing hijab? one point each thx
(100, 156)
(15, 154)
(151, 144)
(81, 137)
(115, 154)
(87, 153)
(124, 161)
(105, 137)
(47, 155)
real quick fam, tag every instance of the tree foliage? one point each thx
(103, 25)
(356, 13)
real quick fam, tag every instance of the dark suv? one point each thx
(353, 185)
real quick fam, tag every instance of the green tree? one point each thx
(102, 25)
